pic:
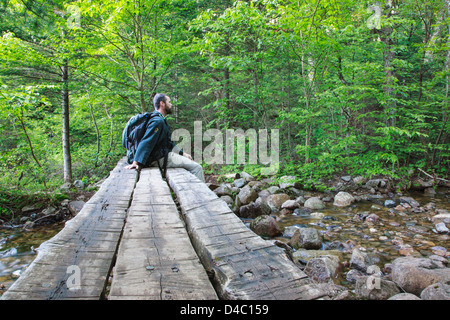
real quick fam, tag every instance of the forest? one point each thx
(354, 87)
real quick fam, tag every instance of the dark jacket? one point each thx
(156, 142)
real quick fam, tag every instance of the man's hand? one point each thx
(187, 155)
(134, 165)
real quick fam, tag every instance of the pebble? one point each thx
(441, 228)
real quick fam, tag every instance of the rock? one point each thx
(375, 288)
(390, 203)
(437, 291)
(419, 184)
(374, 183)
(256, 185)
(308, 238)
(229, 200)
(415, 274)
(441, 217)
(265, 226)
(343, 199)
(441, 228)
(251, 210)
(314, 203)
(429, 191)
(212, 186)
(360, 260)
(29, 208)
(404, 296)
(246, 176)
(306, 255)
(75, 207)
(411, 201)
(49, 211)
(317, 215)
(300, 200)
(290, 204)
(323, 268)
(406, 250)
(272, 189)
(247, 195)
(28, 225)
(239, 182)
(79, 184)
(275, 201)
(65, 187)
(372, 218)
(359, 180)
(223, 190)
(346, 178)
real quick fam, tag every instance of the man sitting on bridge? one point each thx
(156, 144)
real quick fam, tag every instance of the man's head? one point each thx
(162, 103)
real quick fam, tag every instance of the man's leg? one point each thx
(174, 160)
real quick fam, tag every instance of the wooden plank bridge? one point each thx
(130, 241)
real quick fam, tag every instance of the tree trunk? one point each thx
(65, 123)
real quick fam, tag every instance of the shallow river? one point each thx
(16, 250)
(341, 230)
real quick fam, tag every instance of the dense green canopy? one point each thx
(353, 87)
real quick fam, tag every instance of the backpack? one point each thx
(133, 133)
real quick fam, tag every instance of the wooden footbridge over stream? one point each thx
(131, 241)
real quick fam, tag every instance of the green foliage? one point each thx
(346, 98)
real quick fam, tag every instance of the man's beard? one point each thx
(169, 110)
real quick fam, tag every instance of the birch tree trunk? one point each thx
(65, 123)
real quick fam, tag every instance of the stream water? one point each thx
(393, 233)
(16, 250)
(341, 229)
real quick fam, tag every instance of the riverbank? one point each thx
(356, 231)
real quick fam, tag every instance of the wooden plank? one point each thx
(156, 260)
(89, 241)
(244, 265)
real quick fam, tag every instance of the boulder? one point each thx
(223, 190)
(239, 182)
(441, 227)
(275, 201)
(360, 260)
(75, 207)
(314, 203)
(404, 296)
(246, 176)
(247, 195)
(411, 201)
(415, 274)
(290, 204)
(252, 210)
(368, 287)
(307, 238)
(323, 268)
(265, 226)
(306, 255)
(229, 200)
(437, 291)
(79, 184)
(343, 199)
(390, 203)
(442, 217)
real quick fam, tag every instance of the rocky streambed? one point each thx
(362, 237)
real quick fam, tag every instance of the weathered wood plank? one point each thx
(89, 241)
(245, 265)
(155, 259)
